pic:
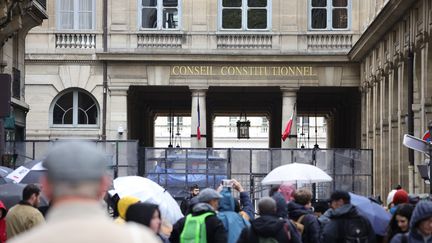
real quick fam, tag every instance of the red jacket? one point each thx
(3, 223)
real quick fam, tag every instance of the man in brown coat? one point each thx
(76, 181)
(25, 214)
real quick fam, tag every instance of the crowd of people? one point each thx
(76, 183)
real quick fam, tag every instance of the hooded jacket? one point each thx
(3, 223)
(233, 222)
(281, 205)
(122, 206)
(216, 232)
(422, 211)
(269, 226)
(331, 232)
(310, 222)
(142, 213)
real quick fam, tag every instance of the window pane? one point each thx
(257, 3)
(149, 18)
(257, 19)
(68, 117)
(170, 3)
(57, 115)
(62, 106)
(340, 3)
(85, 5)
(340, 18)
(319, 3)
(151, 3)
(319, 18)
(87, 111)
(66, 5)
(85, 20)
(170, 18)
(231, 18)
(66, 20)
(231, 3)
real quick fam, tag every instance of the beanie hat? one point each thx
(401, 196)
(390, 196)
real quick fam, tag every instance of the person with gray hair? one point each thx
(268, 226)
(76, 181)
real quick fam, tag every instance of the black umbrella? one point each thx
(11, 194)
(29, 173)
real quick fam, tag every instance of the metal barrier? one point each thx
(177, 169)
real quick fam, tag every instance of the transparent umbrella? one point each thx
(296, 173)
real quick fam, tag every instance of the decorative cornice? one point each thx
(385, 21)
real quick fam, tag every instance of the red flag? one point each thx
(287, 131)
(198, 125)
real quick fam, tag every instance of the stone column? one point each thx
(117, 116)
(289, 107)
(198, 97)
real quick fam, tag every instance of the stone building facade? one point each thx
(105, 69)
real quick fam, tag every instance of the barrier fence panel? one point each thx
(176, 169)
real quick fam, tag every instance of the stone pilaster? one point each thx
(198, 97)
(289, 99)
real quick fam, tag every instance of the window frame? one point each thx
(75, 16)
(244, 19)
(74, 124)
(329, 8)
(159, 11)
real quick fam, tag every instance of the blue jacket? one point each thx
(310, 222)
(233, 222)
(423, 210)
(246, 204)
(281, 205)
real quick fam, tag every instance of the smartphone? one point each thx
(227, 183)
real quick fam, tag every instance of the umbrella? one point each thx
(149, 191)
(28, 173)
(377, 215)
(11, 194)
(296, 173)
(4, 171)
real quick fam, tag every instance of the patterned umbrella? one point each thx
(28, 173)
(4, 171)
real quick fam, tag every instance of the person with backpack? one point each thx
(301, 214)
(201, 225)
(268, 227)
(346, 224)
(420, 225)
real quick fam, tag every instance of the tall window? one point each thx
(75, 14)
(160, 14)
(74, 108)
(244, 14)
(329, 14)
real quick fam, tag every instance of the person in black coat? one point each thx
(185, 204)
(343, 216)
(300, 210)
(215, 230)
(268, 225)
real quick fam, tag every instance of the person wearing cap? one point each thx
(210, 228)
(75, 182)
(346, 224)
(420, 225)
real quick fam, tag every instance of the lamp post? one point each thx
(430, 158)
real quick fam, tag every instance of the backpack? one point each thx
(194, 230)
(354, 230)
(298, 224)
(233, 223)
(261, 239)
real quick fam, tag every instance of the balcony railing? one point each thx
(159, 40)
(329, 41)
(76, 40)
(42, 3)
(244, 41)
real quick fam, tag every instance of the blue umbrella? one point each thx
(375, 213)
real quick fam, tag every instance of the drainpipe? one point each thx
(105, 69)
(410, 91)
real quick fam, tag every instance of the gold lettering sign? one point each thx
(228, 70)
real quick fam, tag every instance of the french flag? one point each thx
(199, 122)
(287, 130)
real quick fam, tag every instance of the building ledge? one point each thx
(19, 103)
(384, 21)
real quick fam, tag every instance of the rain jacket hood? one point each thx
(124, 204)
(3, 209)
(423, 210)
(226, 203)
(201, 208)
(3, 223)
(141, 213)
(296, 210)
(267, 225)
(346, 209)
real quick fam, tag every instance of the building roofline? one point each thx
(392, 12)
